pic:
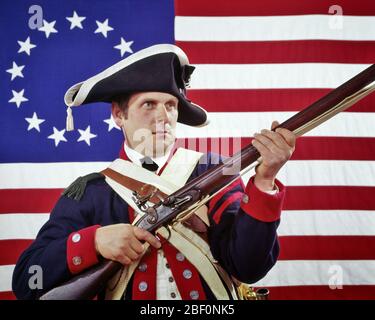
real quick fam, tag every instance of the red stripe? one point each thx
(297, 198)
(295, 293)
(327, 248)
(234, 197)
(263, 100)
(11, 250)
(279, 51)
(269, 7)
(331, 148)
(329, 198)
(7, 295)
(28, 200)
(292, 247)
(321, 293)
(308, 148)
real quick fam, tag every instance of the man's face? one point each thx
(149, 122)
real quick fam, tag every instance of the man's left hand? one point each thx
(276, 148)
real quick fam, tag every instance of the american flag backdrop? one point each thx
(256, 61)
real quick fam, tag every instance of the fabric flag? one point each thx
(259, 61)
(38, 158)
(256, 61)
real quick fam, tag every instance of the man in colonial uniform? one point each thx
(233, 239)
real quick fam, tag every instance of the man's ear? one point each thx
(117, 114)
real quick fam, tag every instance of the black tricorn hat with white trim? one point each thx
(159, 68)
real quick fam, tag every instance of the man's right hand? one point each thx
(122, 242)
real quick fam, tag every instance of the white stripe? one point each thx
(273, 75)
(6, 277)
(294, 173)
(325, 173)
(296, 27)
(245, 124)
(285, 273)
(45, 175)
(321, 272)
(21, 226)
(293, 223)
(327, 223)
(328, 172)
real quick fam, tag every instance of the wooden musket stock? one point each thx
(90, 282)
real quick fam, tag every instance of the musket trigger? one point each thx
(168, 229)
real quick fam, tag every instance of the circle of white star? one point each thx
(58, 136)
(124, 46)
(111, 123)
(26, 46)
(103, 27)
(17, 71)
(34, 122)
(48, 28)
(75, 21)
(86, 135)
(18, 97)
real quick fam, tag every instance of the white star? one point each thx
(34, 122)
(111, 124)
(86, 135)
(58, 136)
(75, 20)
(48, 28)
(124, 46)
(15, 71)
(26, 46)
(18, 97)
(103, 28)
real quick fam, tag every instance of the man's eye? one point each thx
(148, 105)
(171, 106)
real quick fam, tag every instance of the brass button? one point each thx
(245, 198)
(76, 237)
(187, 274)
(77, 261)
(142, 267)
(142, 286)
(194, 294)
(180, 257)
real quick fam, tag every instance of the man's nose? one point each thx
(162, 113)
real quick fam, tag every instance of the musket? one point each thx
(200, 190)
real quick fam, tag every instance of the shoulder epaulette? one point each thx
(76, 190)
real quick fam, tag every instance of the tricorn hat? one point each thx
(161, 68)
